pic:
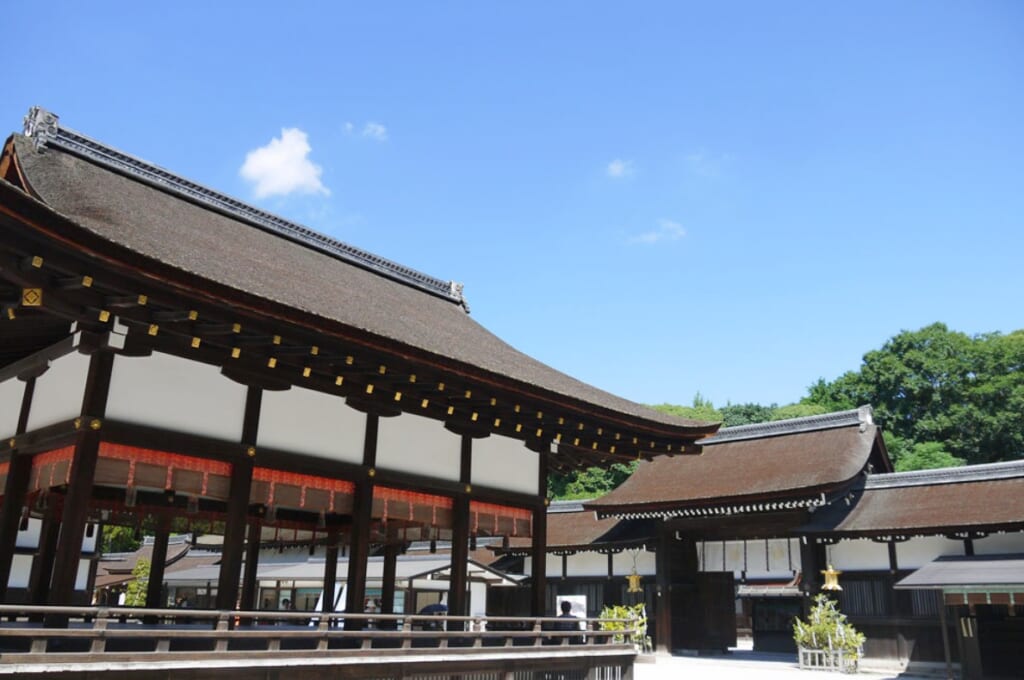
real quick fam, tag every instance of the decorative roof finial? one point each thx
(40, 126)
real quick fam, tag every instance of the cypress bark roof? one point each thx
(976, 497)
(775, 462)
(114, 215)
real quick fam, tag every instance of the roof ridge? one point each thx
(966, 473)
(43, 128)
(825, 421)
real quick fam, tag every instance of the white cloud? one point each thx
(349, 127)
(283, 167)
(708, 165)
(620, 168)
(668, 230)
(375, 131)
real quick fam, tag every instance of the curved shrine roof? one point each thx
(778, 460)
(118, 216)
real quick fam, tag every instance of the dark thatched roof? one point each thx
(113, 215)
(771, 461)
(946, 501)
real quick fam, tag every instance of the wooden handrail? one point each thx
(101, 625)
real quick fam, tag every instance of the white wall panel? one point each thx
(782, 558)
(314, 423)
(29, 538)
(919, 551)
(59, 392)
(21, 568)
(169, 392)
(861, 554)
(505, 463)
(11, 393)
(998, 544)
(83, 575)
(418, 445)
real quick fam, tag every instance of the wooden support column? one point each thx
(15, 489)
(387, 594)
(247, 600)
(362, 517)
(42, 562)
(663, 609)
(812, 561)
(538, 551)
(157, 564)
(458, 601)
(236, 522)
(330, 572)
(83, 471)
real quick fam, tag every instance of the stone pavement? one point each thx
(742, 664)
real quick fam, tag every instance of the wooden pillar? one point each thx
(458, 604)
(247, 600)
(15, 489)
(42, 562)
(236, 522)
(330, 572)
(663, 570)
(812, 561)
(158, 563)
(387, 594)
(362, 517)
(538, 551)
(83, 470)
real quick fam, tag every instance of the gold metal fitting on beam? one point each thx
(196, 341)
(236, 352)
(31, 297)
(339, 381)
(271, 362)
(251, 451)
(143, 299)
(104, 316)
(153, 329)
(86, 281)
(95, 424)
(193, 315)
(37, 261)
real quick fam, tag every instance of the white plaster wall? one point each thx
(29, 538)
(21, 568)
(11, 393)
(581, 564)
(505, 463)
(858, 555)
(418, 445)
(314, 423)
(83, 575)
(997, 544)
(622, 563)
(921, 550)
(782, 559)
(169, 392)
(58, 393)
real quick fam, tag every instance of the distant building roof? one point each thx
(779, 465)
(986, 497)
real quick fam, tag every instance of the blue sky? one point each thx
(735, 198)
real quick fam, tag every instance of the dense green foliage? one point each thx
(942, 398)
(135, 591)
(628, 617)
(118, 539)
(940, 386)
(827, 628)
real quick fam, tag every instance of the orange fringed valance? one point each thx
(279, 487)
(52, 468)
(494, 519)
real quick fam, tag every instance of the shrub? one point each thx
(826, 628)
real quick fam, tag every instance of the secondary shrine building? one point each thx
(171, 358)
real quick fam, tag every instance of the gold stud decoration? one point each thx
(196, 341)
(153, 329)
(143, 299)
(104, 316)
(86, 282)
(31, 297)
(193, 315)
(251, 451)
(271, 362)
(236, 352)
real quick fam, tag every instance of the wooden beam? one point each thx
(15, 488)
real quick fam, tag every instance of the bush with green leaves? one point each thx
(633, 618)
(826, 628)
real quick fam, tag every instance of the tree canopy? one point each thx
(942, 398)
(934, 385)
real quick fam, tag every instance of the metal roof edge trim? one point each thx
(43, 128)
(826, 421)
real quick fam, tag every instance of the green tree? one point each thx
(938, 385)
(926, 456)
(135, 592)
(118, 539)
(800, 410)
(701, 409)
(750, 413)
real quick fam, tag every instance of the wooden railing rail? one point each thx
(77, 631)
